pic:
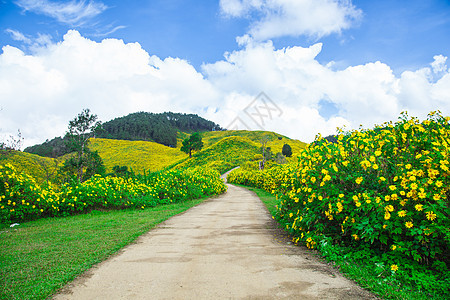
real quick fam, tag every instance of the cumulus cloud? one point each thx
(41, 92)
(72, 12)
(314, 18)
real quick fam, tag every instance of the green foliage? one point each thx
(91, 163)
(161, 128)
(22, 199)
(385, 190)
(193, 143)
(54, 148)
(287, 150)
(80, 129)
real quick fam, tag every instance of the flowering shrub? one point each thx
(22, 199)
(386, 189)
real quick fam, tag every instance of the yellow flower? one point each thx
(387, 215)
(392, 187)
(402, 213)
(409, 224)
(393, 247)
(422, 195)
(394, 268)
(431, 215)
(436, 197)
(359, 180)
(438, 183)
(377, 153)
(389, 208)
(419, 207)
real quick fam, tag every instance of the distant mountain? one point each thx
(141, 126)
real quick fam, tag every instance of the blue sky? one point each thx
(214, 42)
(402, 34)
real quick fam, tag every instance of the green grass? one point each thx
(38, 258)
(359, 266)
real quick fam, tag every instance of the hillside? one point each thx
(276, 140)
(138, 155)
(41, 168)
(224, 155)
(222, 150)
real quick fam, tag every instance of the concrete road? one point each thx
(226, 248)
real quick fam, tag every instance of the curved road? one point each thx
(225, 248)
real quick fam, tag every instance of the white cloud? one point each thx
(314, 18)
(41, 92)
(438, 64)
(73, 12)
(18, 36)
(33, 43)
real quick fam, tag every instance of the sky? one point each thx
(296, 67)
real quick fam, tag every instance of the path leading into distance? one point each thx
(225, 248)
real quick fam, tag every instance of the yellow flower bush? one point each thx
(335, 192)
(22, 199)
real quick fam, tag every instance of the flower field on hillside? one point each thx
(386, 190)
(137, 155)
(22, 199)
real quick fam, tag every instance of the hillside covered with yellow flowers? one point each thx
(222, 150)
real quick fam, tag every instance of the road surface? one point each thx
(225, 248)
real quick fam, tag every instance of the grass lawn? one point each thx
(363, 268)
(37, 258)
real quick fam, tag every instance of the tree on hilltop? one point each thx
(193, 143)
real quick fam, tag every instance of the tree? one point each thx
(265, 139)
(193, 143)
(77, 137)
(13, 143)
(287, 150)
